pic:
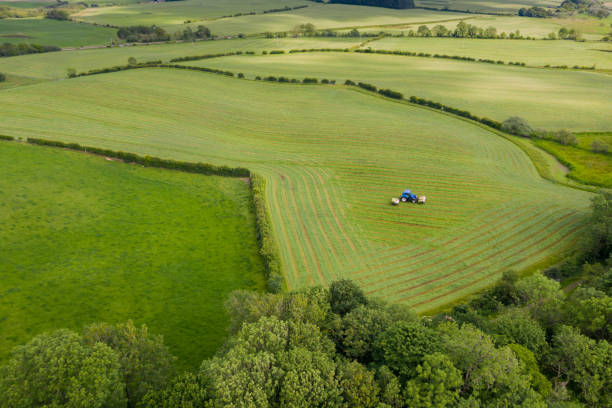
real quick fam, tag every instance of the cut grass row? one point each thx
(85, 239)
(332, 159)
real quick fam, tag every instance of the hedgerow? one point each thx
(10, 138)
(149, 161)
(269, 248)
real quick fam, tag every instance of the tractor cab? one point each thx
(408, 196)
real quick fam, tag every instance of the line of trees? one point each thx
(521, 343)
(11, 50)
(143, 34)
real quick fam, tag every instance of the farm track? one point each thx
(331, 173)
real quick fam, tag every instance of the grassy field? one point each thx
(85, 240)
(585, 165)
(487, 6)
(333, 158)
(54, 65)
(549, 99)
(175, 13)
(52, 32)
(534, 53)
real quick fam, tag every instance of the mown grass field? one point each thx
(175, 13)
(43, 31)
(333, 158)
(489, 6)
(533, 53)
(54, 65)
(87, 240)
(550, 99)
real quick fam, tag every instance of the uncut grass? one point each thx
(43, 31)
(333, 159)
(87, 240)
(54, 65)
(534, 53)
(585, 165)
(549, 99)
(495, 6)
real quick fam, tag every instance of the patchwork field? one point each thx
(533, 53)
(489, 6)
(84, 239)
(53, 32)
(54, 65)
(550, 99)
(333, 159)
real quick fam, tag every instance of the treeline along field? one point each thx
(332, 159)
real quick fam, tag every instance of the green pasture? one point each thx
(25, 4)
(550, 99)
(486, 6)
(533, 53)
(43, 31)
(177, 12)
(84, 240)
(333, 158)
(585, 165)
(55, 64)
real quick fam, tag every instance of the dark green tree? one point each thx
(345, 296)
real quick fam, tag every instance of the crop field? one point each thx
(333, 158)
(174, 13)
(488, 6)
(533, 53)
(54, 65)
(84, 240)
(53, 32)
(549, 99)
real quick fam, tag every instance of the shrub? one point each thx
(56, 14)
(11, 50)
(391, 94)
(71, 73)
(599, 146)
(517, 126)
(565, 137)
(367, 87)
(310, 81)
(325, 81)
(2, 77)
(143, 34)
(270, 78)
(349, 82)
(240, 75)
(9, 138)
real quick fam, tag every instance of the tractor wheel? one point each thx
(403, 199)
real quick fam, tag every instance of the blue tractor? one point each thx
(408, 197)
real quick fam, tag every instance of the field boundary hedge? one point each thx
(269, 248)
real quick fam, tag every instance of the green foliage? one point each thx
(529, 367)
(11, 50)
(359, 388)
(516, 326)
(517, 126)
(2, 77)
(59, 369)
(403, 345)
(184, 391)
(57, 14)
(143, 34)
(599, 242)
(436, 384)
(345, 296)
(146, 364)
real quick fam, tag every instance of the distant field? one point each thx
(550, 99)
(25, 4)
(535, 53)
(177, 12)
(489, 6)
(87, 240)
(52, 32)
(54, 65)
(333, 159)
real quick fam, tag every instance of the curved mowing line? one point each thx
(531, 245)
(471, 283)
(457, 239)
(300, 219)
(450, 255)
(321, 229)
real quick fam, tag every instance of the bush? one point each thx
(240, 75)
(310, 81)
(143, 34)
(9, 138)
(565, 137)
(11, 50)
(391, 94)
(2, 77)
(56, 14)
(349, 82)
(517, 126)
(598, 146)
(367, 87)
